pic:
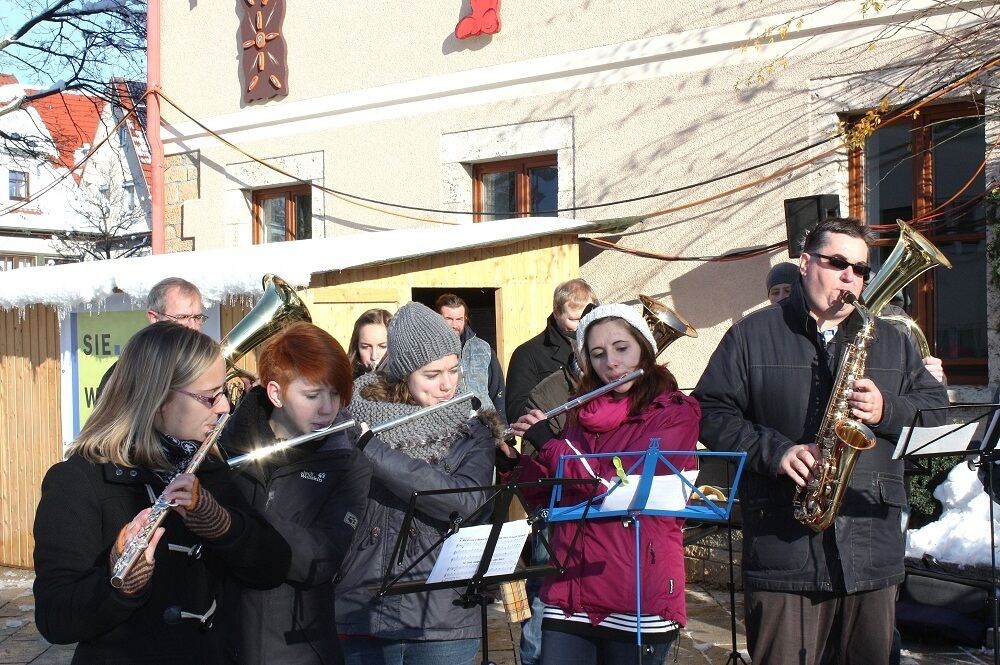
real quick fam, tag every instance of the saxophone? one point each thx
(841, 437)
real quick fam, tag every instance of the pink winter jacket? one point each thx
(600, 572)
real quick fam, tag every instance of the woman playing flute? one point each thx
(590, 611)
(443, 449)
(314, 494)
(161, 402)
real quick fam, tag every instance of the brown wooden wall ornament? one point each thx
(265, 66)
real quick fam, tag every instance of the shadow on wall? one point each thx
(714, 293)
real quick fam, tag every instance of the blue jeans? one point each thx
(531, 630)
(560, 648)
(373, 651)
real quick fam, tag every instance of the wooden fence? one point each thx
(30, 423)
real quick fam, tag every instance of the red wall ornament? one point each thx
(484, 20)
(264, 61)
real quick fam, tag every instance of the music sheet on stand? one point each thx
(461, 553)
(945, 438)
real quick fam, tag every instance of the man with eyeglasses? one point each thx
(172, 299)
(175, 299)
(810, 597)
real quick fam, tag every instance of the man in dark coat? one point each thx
(546, 353)
(828, 596)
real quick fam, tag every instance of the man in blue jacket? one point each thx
(828, 596)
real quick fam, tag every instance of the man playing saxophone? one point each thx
(815, 595)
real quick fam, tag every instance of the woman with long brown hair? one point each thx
(369, 341)
(590, 611)
(163, 399)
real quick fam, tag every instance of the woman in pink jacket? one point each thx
(590, 610)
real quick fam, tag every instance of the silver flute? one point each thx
(347, 424)
(161, 507)
(582, 399)
(389, 424)
(266, 451)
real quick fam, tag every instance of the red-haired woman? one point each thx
(590, 611)
(313, 494)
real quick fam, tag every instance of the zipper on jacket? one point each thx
(652, 555)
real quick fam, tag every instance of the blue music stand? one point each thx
(649, 460)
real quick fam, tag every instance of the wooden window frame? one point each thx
(970, 371)
(522, 182)
(27, 185)
(16, 258)
(289, 193)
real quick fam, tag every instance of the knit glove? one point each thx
(140, 574)
(204, 516)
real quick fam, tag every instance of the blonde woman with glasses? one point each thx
(159, 405)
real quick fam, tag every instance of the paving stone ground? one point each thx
(705, 641)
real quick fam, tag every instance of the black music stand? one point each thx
(986, 419)
(476, 587)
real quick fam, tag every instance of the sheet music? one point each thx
(666, 493)
(461, 553)
(953, 439)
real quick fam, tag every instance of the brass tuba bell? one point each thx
(912, 256)
(277, 308)
(665, 324)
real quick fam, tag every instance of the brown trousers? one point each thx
(820, 628)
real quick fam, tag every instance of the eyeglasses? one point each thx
(862, 270)
(181, 318)
(210, 402)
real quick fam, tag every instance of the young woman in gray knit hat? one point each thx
(450, 448)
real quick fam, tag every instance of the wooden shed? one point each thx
(509, 268)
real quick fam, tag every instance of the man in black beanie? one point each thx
(779, 281)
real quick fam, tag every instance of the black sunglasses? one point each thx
(862, 270)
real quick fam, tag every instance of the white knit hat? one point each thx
(617, 310)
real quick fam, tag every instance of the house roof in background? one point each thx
(130, 96)
(71, 118)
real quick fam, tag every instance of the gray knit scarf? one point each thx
(428, 438)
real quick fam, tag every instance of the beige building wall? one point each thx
(634, 97)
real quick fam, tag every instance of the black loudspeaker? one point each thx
(804, 213)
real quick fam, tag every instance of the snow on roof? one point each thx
(228, 272)
(71, 118)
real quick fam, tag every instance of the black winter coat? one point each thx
(315, 497)
(413, 616)
(82, 509)
(765, 389)
(544, 354)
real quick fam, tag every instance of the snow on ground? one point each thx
(961, 535)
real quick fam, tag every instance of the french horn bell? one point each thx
(665, 324)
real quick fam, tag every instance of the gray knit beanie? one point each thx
(783, 273)
(417, 335)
